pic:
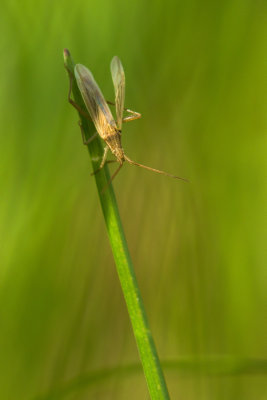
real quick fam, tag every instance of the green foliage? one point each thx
(196, 72)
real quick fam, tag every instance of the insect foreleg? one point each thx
(86, 141)
(72, 102)
(110, 102)
(134, 115)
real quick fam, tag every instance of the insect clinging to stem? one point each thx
(107, 128)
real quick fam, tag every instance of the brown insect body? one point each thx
(108, 129)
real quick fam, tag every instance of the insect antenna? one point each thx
(111, 179)
(153, 169)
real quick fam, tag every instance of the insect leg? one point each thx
(86, 141)
(111, 179)
(135, 115)
(72, 102)
(104, 158)
(153, 169)
(106, 162)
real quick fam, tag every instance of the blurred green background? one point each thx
(196, 71)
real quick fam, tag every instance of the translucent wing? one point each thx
(94, 100)
(118, 78)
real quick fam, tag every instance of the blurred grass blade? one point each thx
(203, 366)
(147, 351)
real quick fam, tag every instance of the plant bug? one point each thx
(107, 128)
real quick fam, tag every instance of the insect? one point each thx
(107, 128)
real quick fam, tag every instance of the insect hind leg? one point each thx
(111, 179)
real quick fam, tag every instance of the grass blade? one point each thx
(146, 347)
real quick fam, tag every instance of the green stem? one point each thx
(146, 347)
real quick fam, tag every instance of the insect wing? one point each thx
(118, 78)
(94, 100)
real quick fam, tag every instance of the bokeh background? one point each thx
(196, 71)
